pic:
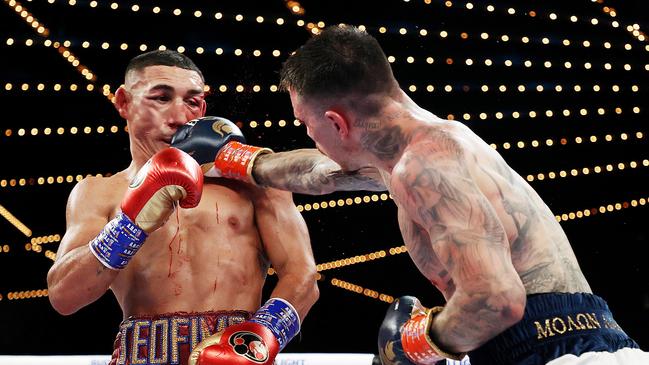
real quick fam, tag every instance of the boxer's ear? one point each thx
(121, 102)
(339, 121)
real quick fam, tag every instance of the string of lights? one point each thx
(581, 112)
(532, 13)
(315, 27)
(256, 88)
(633, 29)
(50, 180)
(373, 198)
(101, 129)
(359, 259)
(361, 290)
(238, 17)
(563, 141)
(586, 171)
(261, 52)
(602, 209)
(15, 221)
(25, 294)
(44, 32)
(35, 244)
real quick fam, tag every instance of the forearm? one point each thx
(76, 280)
(300, 290)
(307, 171)
(468, 321)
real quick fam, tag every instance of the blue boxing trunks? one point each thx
(554, 325)
(167, 339)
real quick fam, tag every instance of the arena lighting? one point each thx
(315, 27)
(620, 166)
(602, 209)
(532, 13)
(61, 48)
(26, 294)
(15, 222)
(360, 290)
(22, 132)
(50, 180)
(45, 87)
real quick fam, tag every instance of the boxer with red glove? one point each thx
(403, 336)
(168, 177)
(219, 147)
(256, 341)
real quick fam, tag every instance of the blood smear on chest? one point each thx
(171, 252)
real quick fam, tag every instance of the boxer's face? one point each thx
(325, 133)
(159, 99)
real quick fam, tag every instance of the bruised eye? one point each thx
(160, 98)
(193, 102)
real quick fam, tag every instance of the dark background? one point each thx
(612, 247)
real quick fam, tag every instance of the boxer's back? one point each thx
(540, 250)
(205, 258)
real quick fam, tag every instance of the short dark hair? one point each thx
(162, 58)
(341, 60)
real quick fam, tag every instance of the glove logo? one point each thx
(222, 128)
(140, 176)
(250, 346)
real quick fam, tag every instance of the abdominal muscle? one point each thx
(203, 259)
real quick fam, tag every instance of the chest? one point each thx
(221, 206)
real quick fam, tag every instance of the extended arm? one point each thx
(220, 148)
(436, 189)
(307, 171)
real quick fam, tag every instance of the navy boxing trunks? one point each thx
(555, 324)
(167, 339)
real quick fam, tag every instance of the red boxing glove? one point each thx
(245, 343)
(169, 176)
(417, 345)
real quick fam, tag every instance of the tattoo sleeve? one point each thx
(307, 171)
(437, 190)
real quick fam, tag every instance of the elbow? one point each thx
(311, 290)
(57, 298)
(513, 307)
(59, 303)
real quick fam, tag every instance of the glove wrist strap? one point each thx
(118, 242)
(235, 160)
(280, 318)
(417, 344)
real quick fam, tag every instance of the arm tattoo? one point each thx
(466, 235)
(307, 171)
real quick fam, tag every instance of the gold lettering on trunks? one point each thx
(205, 330)
(153, 342)
(579, 322)
(177, 338)
(138, 342)
(121, 360)
(194, 333)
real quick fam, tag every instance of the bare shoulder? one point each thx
(96, 194)
(433, 148)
